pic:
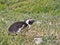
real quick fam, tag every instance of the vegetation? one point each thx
(47, 25)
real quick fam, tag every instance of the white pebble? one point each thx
(37, 40)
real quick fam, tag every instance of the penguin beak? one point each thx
(33, 20)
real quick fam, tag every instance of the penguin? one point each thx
(17, 27)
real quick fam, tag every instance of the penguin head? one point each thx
(29, 21)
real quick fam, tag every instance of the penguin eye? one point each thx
(31, 22)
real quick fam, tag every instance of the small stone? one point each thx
(37, 40)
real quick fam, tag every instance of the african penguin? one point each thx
(18, 26)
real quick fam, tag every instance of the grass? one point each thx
(47, 25)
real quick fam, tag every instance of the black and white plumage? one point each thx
(18, 26)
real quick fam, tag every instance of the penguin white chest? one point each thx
(19, 30)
